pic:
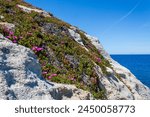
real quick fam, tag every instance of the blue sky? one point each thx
(122, 26)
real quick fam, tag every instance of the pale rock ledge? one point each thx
(29, 10)
(7, 25)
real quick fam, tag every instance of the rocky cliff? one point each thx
(42, 57)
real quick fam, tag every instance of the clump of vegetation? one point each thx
(52, 49)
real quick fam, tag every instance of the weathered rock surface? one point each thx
(20, 77)
(95, 41)
(77, 38)
(7, 25)
(29, 10)
(127, 87)
(54, 29)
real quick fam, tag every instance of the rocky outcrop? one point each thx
(115, 89)
(95, 41)
(29, 10)
(54, 29)
(138, 89)
(77, 38)
(7, 25)
(127, 86)
(20, 77)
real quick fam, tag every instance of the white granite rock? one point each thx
(138, 89)
(7, 25)
(95, 41)
(77, 38)
(127, 87)
(29, 10)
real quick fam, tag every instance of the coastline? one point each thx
(139, 68)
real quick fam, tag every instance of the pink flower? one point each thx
(49, 77)
(11, 33)
(44, 72)
(34, 48)
(37, 49)
(98, 59)
(8, 37)
(53, 75)
(14, 41)
(14, 37)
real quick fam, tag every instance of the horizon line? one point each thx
(130, 54)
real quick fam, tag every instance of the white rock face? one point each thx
(127, 87)
(29, 10)
(77, 38)
(7, 25)
(115, 89)
(95, 41)
(20, 77)
(138, 89)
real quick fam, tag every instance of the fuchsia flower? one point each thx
(14, 37)
(98, 59)
(49, 77)
(11, 33)
(52, 75)
(14, 41)
(34, 48)
(44, 72)
(37, 49)
(8, 37)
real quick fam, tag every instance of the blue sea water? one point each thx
(139, 65)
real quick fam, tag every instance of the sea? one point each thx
(139, 65)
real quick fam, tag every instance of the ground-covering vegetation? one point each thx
(62, 59)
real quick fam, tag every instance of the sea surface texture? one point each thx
(139, 65)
